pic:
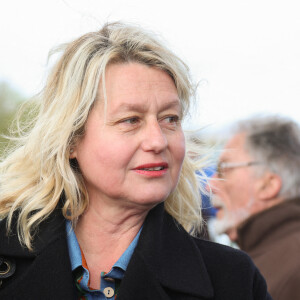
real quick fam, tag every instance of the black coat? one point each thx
(166, 264)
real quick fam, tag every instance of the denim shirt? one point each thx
(109, 281)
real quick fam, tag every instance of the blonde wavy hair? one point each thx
(37, 176)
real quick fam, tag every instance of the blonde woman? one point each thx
(98, 197)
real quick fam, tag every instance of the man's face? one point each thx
(235, 188)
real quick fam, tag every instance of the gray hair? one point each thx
(275, 141)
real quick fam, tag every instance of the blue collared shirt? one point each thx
(109, 281)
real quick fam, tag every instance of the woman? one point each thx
(96, 195)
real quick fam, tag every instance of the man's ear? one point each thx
(269, 186)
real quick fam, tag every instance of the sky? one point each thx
(245, 54)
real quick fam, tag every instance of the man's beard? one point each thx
(230, 219)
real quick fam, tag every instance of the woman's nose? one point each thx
(154, 139)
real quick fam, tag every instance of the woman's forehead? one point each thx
(131, 85)
(134, 74)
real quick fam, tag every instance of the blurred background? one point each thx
(245, 55)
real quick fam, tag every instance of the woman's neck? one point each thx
(104, 234)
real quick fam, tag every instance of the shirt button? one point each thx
(108, 292)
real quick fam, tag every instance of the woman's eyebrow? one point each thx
(172, 104)
(127, 106)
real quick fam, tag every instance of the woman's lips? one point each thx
(152, 169)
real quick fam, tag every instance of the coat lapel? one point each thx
(166, 263)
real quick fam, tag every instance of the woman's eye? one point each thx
(172, 119)
(133, 120)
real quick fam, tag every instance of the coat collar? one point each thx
(165, 259)
(170, 256)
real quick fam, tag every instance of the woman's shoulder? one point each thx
(221, 257)
(204, 244)
(229, 267)
(47, 231)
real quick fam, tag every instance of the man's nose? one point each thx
(154, 138)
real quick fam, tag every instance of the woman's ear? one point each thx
(72, 153)
(269, 187)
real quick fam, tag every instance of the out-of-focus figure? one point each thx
(257, 196)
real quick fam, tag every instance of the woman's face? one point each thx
(132, 151)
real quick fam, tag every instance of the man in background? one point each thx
(256, 192)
